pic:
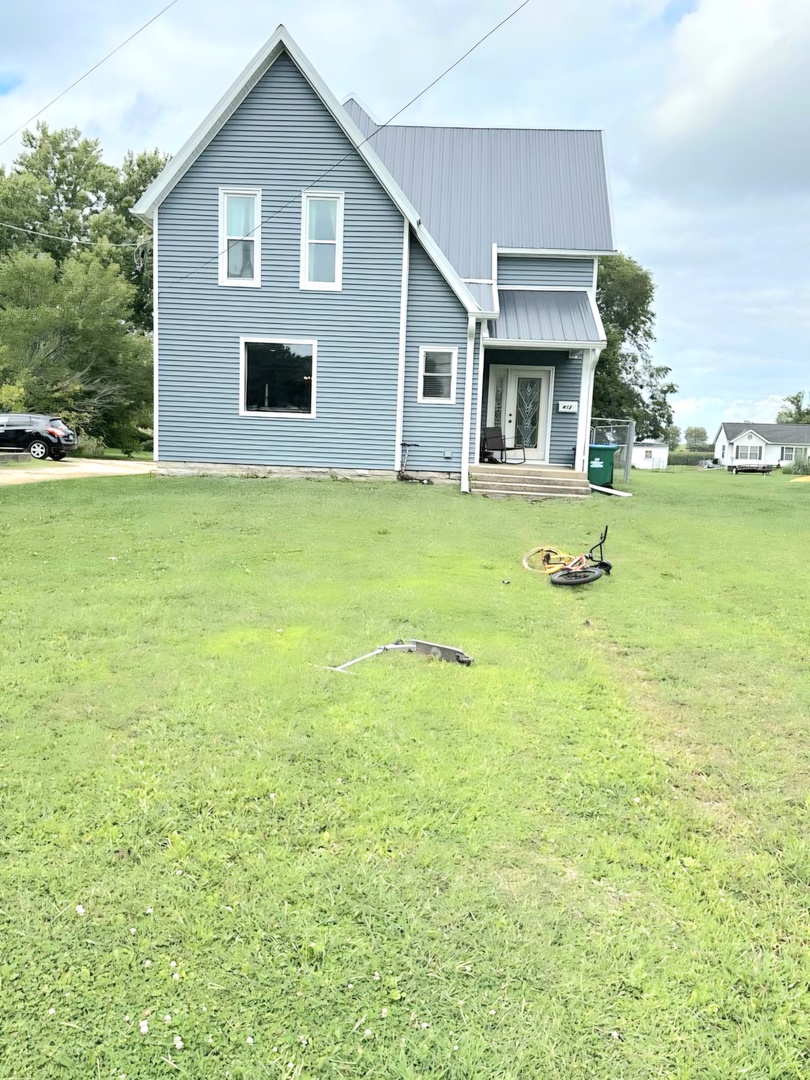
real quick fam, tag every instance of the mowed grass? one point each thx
(586, 855)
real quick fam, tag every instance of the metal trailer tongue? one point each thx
(427, 648)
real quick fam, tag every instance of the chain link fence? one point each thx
(606, 431)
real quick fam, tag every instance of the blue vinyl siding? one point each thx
(567, 387)
(435, 318)
(525, 270)
(281, 139)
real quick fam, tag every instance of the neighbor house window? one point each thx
(723, 452)
(322, 240)
(240, 236)
(648, 454)
(278, 378)
(437, 376)
(788, 453)
(749, 453)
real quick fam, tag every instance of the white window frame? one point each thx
(788, 450)
(748, 456)
(321, 286)
(240, 283)
(453, 350)
(256, 415)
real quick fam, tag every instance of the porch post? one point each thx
(467, 421)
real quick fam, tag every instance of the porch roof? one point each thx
(547, 317)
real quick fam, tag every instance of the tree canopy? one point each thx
(628, 384)
(696, 437)
(76, 284)
(794, 410)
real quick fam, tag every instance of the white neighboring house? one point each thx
(649, 454)
(761, 444)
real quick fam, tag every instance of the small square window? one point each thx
(437, 376)
(278, 378)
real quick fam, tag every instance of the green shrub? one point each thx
(689, 458)
(800, 467)
(89, 446)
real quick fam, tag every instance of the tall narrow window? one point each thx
(437, 376)
(322, 241)
(240, 244)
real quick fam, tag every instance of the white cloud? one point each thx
(732, 116)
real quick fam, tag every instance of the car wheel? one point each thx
(734, 471)
(38, 449)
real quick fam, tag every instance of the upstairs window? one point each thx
(322, 241)
(437, 376)
(240, 239)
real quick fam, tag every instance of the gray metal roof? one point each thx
(564, 317)
(482, 293)
(517, 187)
(783, 434)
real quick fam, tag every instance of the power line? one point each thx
(89, 72)
(65, 239)
(390, 120)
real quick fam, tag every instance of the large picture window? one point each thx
(437, 376)
(240, 246)
(322, 240)
(278, 378)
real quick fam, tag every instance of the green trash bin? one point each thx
(600, 463)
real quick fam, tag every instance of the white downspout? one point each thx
(403, 332)
(467, 424)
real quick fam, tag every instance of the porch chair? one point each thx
(493, 442)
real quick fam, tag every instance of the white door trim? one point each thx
(514, 371)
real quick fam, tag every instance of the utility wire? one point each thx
(390, 120)
(89, 72)
(66, 239)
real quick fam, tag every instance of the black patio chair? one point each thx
(493, 442)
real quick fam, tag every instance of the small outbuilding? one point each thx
(649, 454)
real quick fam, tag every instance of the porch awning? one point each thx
(562, 319)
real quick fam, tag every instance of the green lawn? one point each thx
(586, 855)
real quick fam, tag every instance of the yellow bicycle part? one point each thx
(546, 560)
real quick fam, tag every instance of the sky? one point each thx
(705, 106)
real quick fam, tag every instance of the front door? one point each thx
(518, 403)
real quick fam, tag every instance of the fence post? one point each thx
(631, 442)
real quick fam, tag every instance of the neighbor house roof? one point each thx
(279, 43)
(783, 434)
(544, 190)
(567, 318)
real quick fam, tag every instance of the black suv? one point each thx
(42, 436)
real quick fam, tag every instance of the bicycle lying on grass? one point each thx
(567, 569)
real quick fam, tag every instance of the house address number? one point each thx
(567, 406)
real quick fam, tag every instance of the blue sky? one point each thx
(704, 104)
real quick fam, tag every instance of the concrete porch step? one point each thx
(522, 480)
(502, 491)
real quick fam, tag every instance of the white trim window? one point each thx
(322, 240)
(788, 453)
(748, 452)
(240, 237)
(437, 375)
(277, 377)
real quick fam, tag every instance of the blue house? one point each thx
(327, 290)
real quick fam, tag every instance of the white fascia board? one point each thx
(525, 343)
(722, 429)
(756, 434)
(559, 253)
(600, 328)
(282, 41)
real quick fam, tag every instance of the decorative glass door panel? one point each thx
(527, 409)
(519, 404)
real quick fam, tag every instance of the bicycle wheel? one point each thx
(576, 577)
